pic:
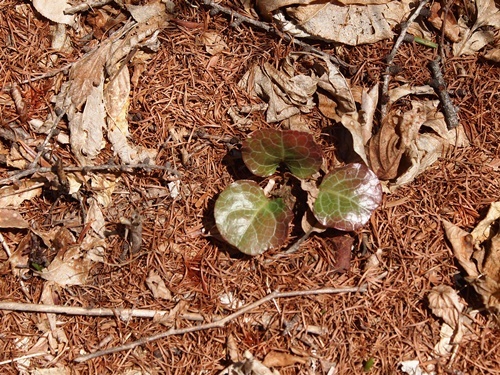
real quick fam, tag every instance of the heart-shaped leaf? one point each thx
(250, 221)
(265, 149)
(347, 197)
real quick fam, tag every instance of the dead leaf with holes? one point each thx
(479, 255)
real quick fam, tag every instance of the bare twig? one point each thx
(85, 311)
(82, 7)
(93, 168)
(22, 358)
(239, 18)
(392, 54)
(47, 139)
(220, 322)
(439, 85)
(5, 245)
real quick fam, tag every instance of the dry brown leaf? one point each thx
(385, 150)
(249, 366)
(482, 265)
(280, 359)
(267, 7)
(445, 303)
(12, 219)
(342, 245)
(348, 22)
(69, 267)
(451, 28)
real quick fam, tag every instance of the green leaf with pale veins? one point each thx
(250, 221)
(265, 149)
(347, 197)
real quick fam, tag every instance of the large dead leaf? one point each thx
(482, 32)
(96, 96)
(350, 22)
(479, 255)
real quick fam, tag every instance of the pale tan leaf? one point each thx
(12, 219)
(54, 10)
(157, 286)
(86, 134)
(462, 244)
(69, 267)
(445, 303)
(213, 42)
(142, 13)
(11, 196)
(483, 230)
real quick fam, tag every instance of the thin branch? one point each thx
(390, 57)
(439, 85)
(5, 245)
(239, 18)
(93, 168)
(85, 311)
(220, 323)
(47, 139)
(82, 7)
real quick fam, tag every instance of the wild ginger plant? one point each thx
(254, 223)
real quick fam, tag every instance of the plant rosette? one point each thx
(254, 223)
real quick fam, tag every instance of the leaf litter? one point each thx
(425, 155)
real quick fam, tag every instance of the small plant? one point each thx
(254, 223)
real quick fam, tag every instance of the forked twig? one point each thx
(220, 323)
(239, 18)
(390, 57)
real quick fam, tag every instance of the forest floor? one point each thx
(179, 101)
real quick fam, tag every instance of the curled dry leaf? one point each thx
(13, 196)
(445, 303)
(483, 30)
(248, 366)
(479, 255)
